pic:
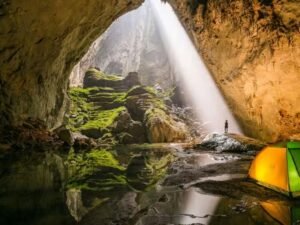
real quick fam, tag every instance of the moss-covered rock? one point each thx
(141, 98)
(161, 127)
(146, 170)
(95, 170)
(96, 78)
(101, 123)
(129, 131)
(114, 115)
(35, 71)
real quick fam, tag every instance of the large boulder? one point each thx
(83, 142)
(231, 143)
(95, 78)
(132, 79)
(128, 130)
(65, 135)
(161, 127)
(92, 132)
(141, 98)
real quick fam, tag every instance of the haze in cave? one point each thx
(149, 112)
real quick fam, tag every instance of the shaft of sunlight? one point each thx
(198, 84)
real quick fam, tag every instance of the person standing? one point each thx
(226, 126)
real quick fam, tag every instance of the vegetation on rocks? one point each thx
(119, 110)
(100, 75)
(95, 170)
(101, 170)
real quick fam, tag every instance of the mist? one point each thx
(197, 82)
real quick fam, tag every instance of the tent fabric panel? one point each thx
(296, 158)
(293, 145)
(294, 179)
(270, 167)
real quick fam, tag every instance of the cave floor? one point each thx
(164, 184)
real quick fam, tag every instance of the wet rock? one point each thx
(31, 134)
(75, 205)
(83, 142)
(65, 135)
(92, 132)
(164, 198)
(231, 143)
(126, 138)
(237, 188)
(129, 131)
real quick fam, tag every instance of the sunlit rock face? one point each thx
(252, 49)
(132, 43)
(40, 42)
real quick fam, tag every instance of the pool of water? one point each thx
(127, 187)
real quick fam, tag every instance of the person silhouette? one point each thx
(226, 126)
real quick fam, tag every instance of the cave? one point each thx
(149, 112)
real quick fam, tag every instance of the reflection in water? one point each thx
(145, 170)
(193, 207)
(75, 205)
(282, 212)
(34, 190)
(31, 190)
(197, 204)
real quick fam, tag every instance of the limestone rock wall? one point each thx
(40, 42)
(253, 51)
(131, 43)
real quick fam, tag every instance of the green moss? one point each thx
(145, 171)
(156, 113)
(80, 108)
(100, 75)
(95, 170)
(85, 115)
(151, 90)
(113, 97)
(104, 119)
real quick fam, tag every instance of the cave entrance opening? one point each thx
(151, 41)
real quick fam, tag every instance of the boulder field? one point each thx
(112, 109)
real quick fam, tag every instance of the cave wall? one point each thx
(252, 48)
(40, 42)
(132, 43)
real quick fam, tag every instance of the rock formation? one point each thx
(132, 43)
(40, 43)
(251, 47)
(113, 109)
(252, 50)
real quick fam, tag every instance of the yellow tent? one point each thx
(278, 168)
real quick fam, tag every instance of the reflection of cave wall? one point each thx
(132, 43)
(253, 50)
(40, 41)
